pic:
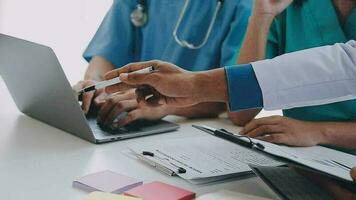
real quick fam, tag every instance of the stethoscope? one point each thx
(139, 18)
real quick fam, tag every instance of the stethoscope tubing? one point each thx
(142, 7)
(187, 44)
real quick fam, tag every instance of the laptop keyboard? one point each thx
(133, 127)
(110, 130)
(291, 185)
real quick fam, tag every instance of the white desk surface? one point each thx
(38, 161)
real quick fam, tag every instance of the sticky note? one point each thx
(106, 181)
(160, 191)
(108, 196)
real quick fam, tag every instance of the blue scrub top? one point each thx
(118, 41)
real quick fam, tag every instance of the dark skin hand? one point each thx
(161, 88)
(112, 105)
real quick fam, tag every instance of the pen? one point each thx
(114, 81)
(160, 167)
(180, 170)
(221, 133)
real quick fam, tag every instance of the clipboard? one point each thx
(326, 166)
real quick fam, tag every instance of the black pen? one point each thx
(221, 133)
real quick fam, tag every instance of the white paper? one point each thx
(316, 157)
(204, 157)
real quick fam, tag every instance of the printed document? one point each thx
(204, 157)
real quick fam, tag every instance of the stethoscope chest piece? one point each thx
(139, 16)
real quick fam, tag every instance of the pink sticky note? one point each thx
(106, 181)
(160, 191)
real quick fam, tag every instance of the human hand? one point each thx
(97, 97)
(284, 130)
(169, 85)
(126, 102)
(353, 174)
(270, 8)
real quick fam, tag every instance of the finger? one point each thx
(128, 95)
(130, 68)
(87, 99)
(277, 138)
(118, 88)
(353, 174)
(141, 79)
(77, 87)
(131, 116)
(160, 100)
(263, 130)
(105, 110)
(261, 121)
(120, 107)
(100, 97)
(148, 95)
(99, 101)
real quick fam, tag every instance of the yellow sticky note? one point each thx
(108, 196)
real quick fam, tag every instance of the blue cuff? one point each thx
(244, 90)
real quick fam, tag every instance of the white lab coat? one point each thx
(310, 77)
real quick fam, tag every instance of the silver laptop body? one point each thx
(41, 90)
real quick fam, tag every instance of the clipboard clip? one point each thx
(224, 134)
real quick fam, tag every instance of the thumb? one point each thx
(139, 79)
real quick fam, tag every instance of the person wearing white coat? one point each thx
(324, 75)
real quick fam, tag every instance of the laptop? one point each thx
(40, 89)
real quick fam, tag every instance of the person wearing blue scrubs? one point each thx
(119, 42)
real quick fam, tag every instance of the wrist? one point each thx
(262, 22)
(168, 110)
(211, 86)
(322, 133)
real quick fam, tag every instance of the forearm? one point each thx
(208, 109)
(254, 45)
(97, 68)
(338, 133)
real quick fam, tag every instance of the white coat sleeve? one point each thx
(310, 77)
